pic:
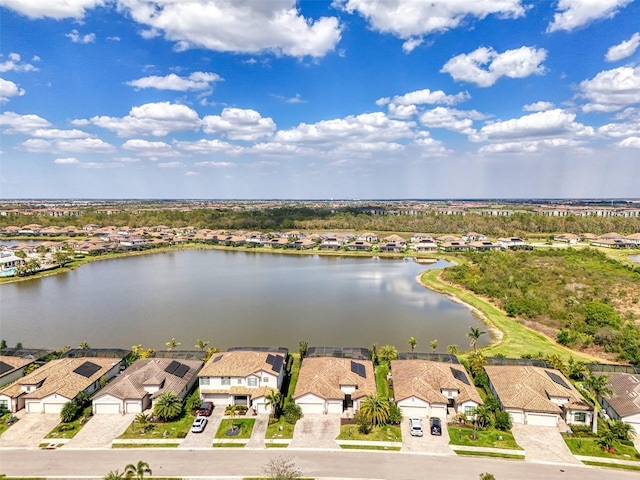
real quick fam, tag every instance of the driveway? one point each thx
(100, 431)
(259, 430)
(204, 439)
(433, 444)
(316, 431)
(30, 430)
(543, 444)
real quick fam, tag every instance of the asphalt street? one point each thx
(96, 463)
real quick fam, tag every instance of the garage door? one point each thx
(106, 408)
(311, 408)
(133, 407)
(408, 412)
(33, 407)
(53, 407)
(542, 420)
(439, 411)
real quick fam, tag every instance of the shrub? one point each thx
(69, 412)
(291, 411)
(503, 420)
(395, 415)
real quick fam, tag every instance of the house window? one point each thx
(252, 382)
(580, 417)
(468, 411)
(265, 379)
(239, 381)
(205, 381)
(226, 381)
(4, 404)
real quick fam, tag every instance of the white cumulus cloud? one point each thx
(83, 145)
(66, 161)
(611, 90)
(630, 142)
(239, 124)
(52, 8)
(460, 121)
(197, 81)
(76, 37)
(9, 89)
(203, 146)
(22, 124)
(485, 66)
(242, 26)
(538, 106)
(14, 64)
(624, 49)
(572, 14)
(425, 96)
(149, 149)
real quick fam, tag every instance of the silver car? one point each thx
(198, 425)
(415, 427)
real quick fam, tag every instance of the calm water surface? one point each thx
(233, 298)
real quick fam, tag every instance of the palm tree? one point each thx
(231, 411)
(143, 419)
(388, 353)
(452, 349)
(376, 409)
(137, 471)
(474, 334)
(434, 345)
(201, 344)
(168, 406)
(210, 352)
(412, 343)
(114, 475)
(482, 415)
(272, 399)
(84, 345)
(303, 346)
(171, 344)
(598, 386)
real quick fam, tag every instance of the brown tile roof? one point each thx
(149, 371)
(238, 363)
(529, 388)
(14, 362)
(239, 390)
(424, 380)
(626, 393)
(58, 376)
(322, 376)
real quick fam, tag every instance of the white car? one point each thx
(415, 427)
(198, 425)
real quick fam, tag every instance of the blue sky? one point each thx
(319, 99)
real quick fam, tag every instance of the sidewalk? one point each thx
(584, 458)
(471, 448)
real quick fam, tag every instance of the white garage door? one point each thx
(106, 408)
(53, 407)
(311, 408)
(133, 407)
(409, 412)
(542, 420)
(33, 407)
(439, 411)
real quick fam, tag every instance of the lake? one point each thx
(234, 299)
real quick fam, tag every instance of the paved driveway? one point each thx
(259, 430)
(543, 444)
(316, 431)
(30, 430)
(100, 431)
(434, 444)
(204, 439)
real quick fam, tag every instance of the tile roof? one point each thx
(15, 363)
(149, 371)
(239, 390)
(626, 393)
(238, 363)
(424, 379)
(58, 376)
(322, 376)
(530, 388)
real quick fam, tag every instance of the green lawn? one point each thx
(69, 430)
(274, 430)
(589, 447)
(295, 371)
(612, 465)
(177, 429)
(486, 438)
(370, 447)
(489, 454)
(382, 385)
(229, 445)
(276, 445)
(517, 339)
(245, 424)
(388, 433)
(145, 445)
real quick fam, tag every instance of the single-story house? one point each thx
(242, 377)
(135, 389)
(48, 388)
(12, 368)
(624, 402)
(538, 396)
(359, 245)
(484, 245)
(331, 385)
(424, 388)
(511, 242)
(570, 238)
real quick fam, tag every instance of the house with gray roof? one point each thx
(624, 402)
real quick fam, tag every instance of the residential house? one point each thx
(624, 401)
(368, 237)
(243, 377)
(421, 242)
(424, 388)
(302, 244)
(293, 234)
(538, 396)
(9, 261)
(484, 245)
(137, 388)
(473, 237)
(48, 388)
(570, 238)
(359, 246)
(393, 243)
(633, 239)
(331, 385)
(12, 368)
(611, 243)
(333, 242)
(457, 245)
(511, 243)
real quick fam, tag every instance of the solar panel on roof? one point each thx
(358, 369)
(460, 375)
(181, 371)
(217, 359)
(271, 359)
(172, 367)
(557, 379)
(277, 363)
(87, 369)
(5, 367)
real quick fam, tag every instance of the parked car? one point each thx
(205, 409)
(415, 427)
(436, 426)
(198, 425)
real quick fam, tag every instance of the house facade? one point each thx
(624, 402)
(242, 377)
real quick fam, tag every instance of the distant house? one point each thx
(570, 238)
(12, 368)
(611, 243)
(473, 237)
(9, 260)
(393, 243)
(331, 385)
(511, 243)
(368, 237)
(302, 244)
(242, 377)
(424, 388)
(333, 242)
(136, 389)
(538, 396)
(484, 245)
(634, 238)
(48, 388)
(456, 245)
(278, 242)
(359, 246)
(624, 402)
(421, 242)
